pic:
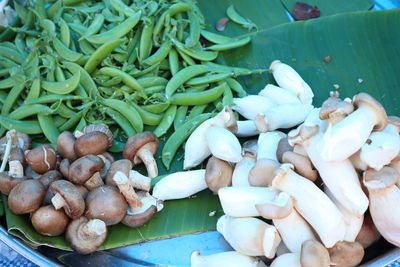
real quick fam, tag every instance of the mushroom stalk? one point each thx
(127, 190)
(16, 170)
(10, 135)
(240, 176)
(94, 227)
(279, 95)
(223, 144)
(148, 159)
(139, 181)
(246, 128)
(316, 208)
(229, 258)
(268, 145)
(287, 259)
(180, 185)
(252, 105)
(58, 201)
(94, 181)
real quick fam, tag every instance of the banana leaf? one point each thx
(363, 47)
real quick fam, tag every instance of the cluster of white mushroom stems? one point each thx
(317, 196)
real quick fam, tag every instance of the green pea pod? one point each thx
(237, 18)
(64, 111)
(86, 47)
(54, 8)
(34, 91)
(64, 87)
(121, 121)
(152, 70)
(194, 36)
(182, 76)
(65, 34)
(179, 136)
(128, 111)
(22, 12)
(79, 29)
(23, 126)
(198, 98)
(180, 117)
(126, 78)
(236, 70)
(237, 87)
(71, 122)
(12, 97)
(197, 54)
(154, 89)
(145, 43)
(148, 117)
(8, 33)
(235, 44)
(121, 7)
(48, 26)
(86, 81)
(156, 108)
(20, 44)
(96, 25)
(4, 72)
(196, 111)
(11, 54)
(101, 53)
(40, 8)
(82, 123)
(227, 99)
(211, 78)
(166, 122)
(159, 55)
(51, 98)
(25, 111)
(197, 88)
(116, 32)
(173, 61)
(65, 52)
(188, 60)
(216, 38)
(150, 81)
(7, 83)
(48, 127)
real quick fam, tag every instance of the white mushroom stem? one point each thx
(357, 162)
(287, 78)
(381, 147)
(92, 228)
(10, 135)
(241, 201)
(229, 258)
(78, 134)
(268, 144)
(139, 181)
(246, 128)
(223, 144)
(240, 176)
(279, 95)
(180, 185)
(315, 207)
(148, 160)
(282, 117)
(352, 221)
(249, 236)
(286, 260)
(94, 181)
(16, 169)
(58, 201)
(147, 201)
(250, 106)
(127, 191)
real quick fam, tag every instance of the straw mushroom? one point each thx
(141, 148)
(218, 174)
(252, 105)
(65, 144)
(67, 196)
(85, 171)
(42, 158)
(122, 165)
(346, 254)
(49, 221)
(279, 95)
(86, 236)
(229, 258)
(223, 144)
(26, 197)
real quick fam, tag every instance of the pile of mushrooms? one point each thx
(79, 189)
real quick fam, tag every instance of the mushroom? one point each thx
(263, 172)
(241, 201)
(240, 175)
(85, 171)
(108, 159)
(12, 148)
(279, 95)
(346, 254)
(126, 189)
(49, 221)
(344, 138)
(122, 165)
(91, 143)
(293, 229)
(218, 174)
(252, 105)
(287, 78)
(141, 148)
(23, 141)
(26, 197)
(42, 158)
(334, 109)
(65, 144)
(67, 196)
(49, 177)
(315, 207)
(229, 258)
(368, 233)
(139, 181)
(8, 182)
(249, 236)
(100, 127)
(384, 197)
(302, 165)
(268, 145)
(223, 144)
(64, 167)
(107, 204)
(85, 235)
(180, 185)
(246, 128)
(283, 146)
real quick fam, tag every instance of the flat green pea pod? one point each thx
(154, 89)
(159, 55)
(48, 127)
(198, 98)
(197, 54)
(12, 97)
(65, 52)
(64, 87)
(237, 18)
(179, 136)
(25, 111)
(227, 99)
(166, 121)
(126, 78)
(65, 34)
(194, 35)
(148, 117)
(54, 8)
(51, 98)
(196, 111)
(23, 126)
(237, 87)
(7, 83)
(82, 123)
(121, 121)
(128, 111)
(234, 44)
(210, 78)
(101, 53)
(116, 32)
(145, 43)
(86, 81)
(96, 25)
(182, 76)
(236, 70)
(180, 117)
(34, 91)
(156, 108)
(121, 7)
(149, 81)
(216, 38)
(173, 61)
(11, 54)
(72, 121)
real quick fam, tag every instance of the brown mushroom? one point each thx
(218, 174)
(107, 204)
(67, 196)
(100, 128)
(42, 158)
(334, 109)
(84, 169)
(86, 236)
(18, 155)
(26, 197)
(302, 165)
(49, 177)
(346, 254)
(283, 146)
(64, 167)
(91, 143)
(107, 165)
(141, 148)
(49, 221)
(23, 141)
(314, 254)
(122, 165)
(231, 124)
(65, 145)
(7, 182)
(83, 190)
(368, 233)
(263, 172)
(139, 181)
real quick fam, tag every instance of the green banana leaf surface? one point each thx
(363, 47)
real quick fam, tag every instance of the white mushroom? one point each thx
(246, 128)
(139, 181)
(240, 176)
(279, 95)
(223, 144)
(250, 106)
(249, 236)
(229, 258)
(268, 145)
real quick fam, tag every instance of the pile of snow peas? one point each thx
(132, 65)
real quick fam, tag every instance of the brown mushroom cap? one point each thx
(283, 146)
(100, 128)
(143, 214)
(42, 158)
(83, 168)
(366, 99)
(346, 254)
(334, 107)
(83, 190)
(136, 142)
(49, 221)
(122, 165)
(64, 167)
(218, 174)
(383, 178)
(302, 165)
(107, 204)
(23, 141)
(368, 233)
(74, 205)
(26, 197)
(263, 172)
(314, 254)
(278, 208)
(17, 154)
(7, 182)
(86, 236)
(49, 177)
(91, 143)
(65, 145)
